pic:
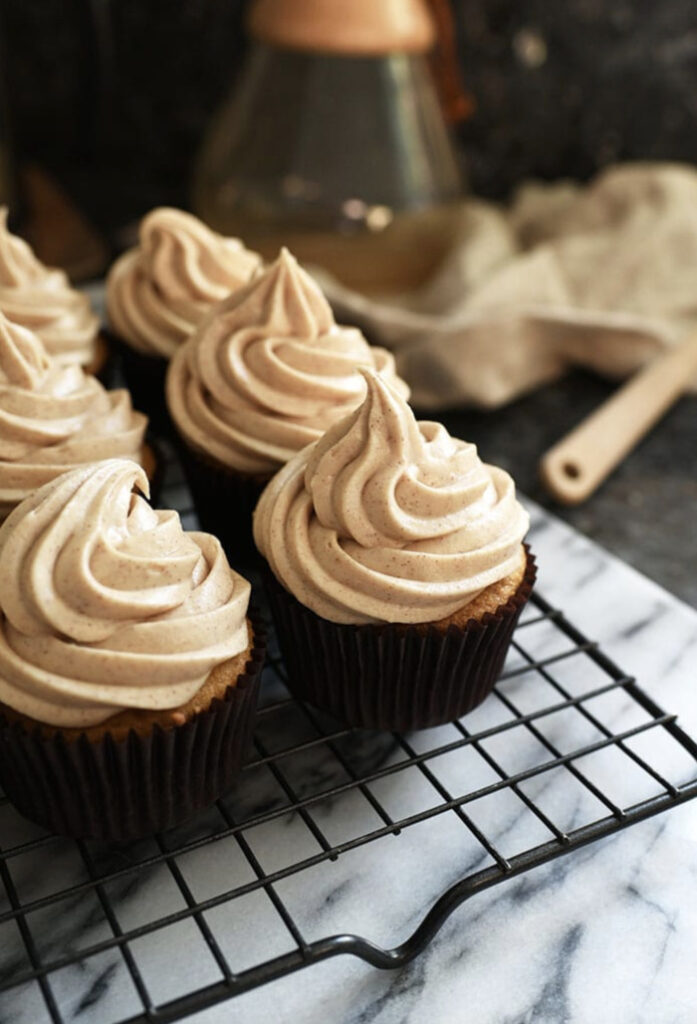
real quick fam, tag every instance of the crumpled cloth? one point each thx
(601, 276)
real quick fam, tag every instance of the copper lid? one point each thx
(360, 27)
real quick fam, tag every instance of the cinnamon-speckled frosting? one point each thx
(389, 520)
(107, 604)
(268, 371)
(54, 417)
(158, 292)
(42, 299)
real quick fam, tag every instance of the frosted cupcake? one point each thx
(128, 662)
(42, 299)
(55, 417)
(159, 291)
(397, 567)
(266, 373)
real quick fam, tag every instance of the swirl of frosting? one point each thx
(159, 291)
(108, 604)
(387, 519)
(42, 299)
(268, 371)
(54, 417)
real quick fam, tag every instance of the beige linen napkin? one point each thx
(601, 276)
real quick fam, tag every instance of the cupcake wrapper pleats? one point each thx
(139, 785)
(388, 676)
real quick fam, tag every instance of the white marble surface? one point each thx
(608, 933)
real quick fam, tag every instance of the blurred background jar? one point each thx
(334, 142)
(109, 100)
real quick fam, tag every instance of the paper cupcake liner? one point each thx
(397, 677)
(145, 379)
(121, 790)
(225, 501)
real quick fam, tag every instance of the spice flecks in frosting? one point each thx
(268, 371)
(159, 291)
(42, 299)
(54, 417)
(386, 519)
(108, 604)
(284, 300)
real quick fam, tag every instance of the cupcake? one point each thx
(159, 291)
(54, 417)
(397, 569)
(128, 662)
(42, 299)
(265, 374)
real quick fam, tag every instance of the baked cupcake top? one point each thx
(54, 417)
(42, 299)
(109, 605)
(387, 519)
(157, 292)
(268, 371)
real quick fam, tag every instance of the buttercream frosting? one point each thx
(387, 519)
(268, 371)
(54, 417)
(158, 291)
(42, 299)
(108, 604)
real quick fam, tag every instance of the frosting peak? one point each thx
(268, 371)
(158, 291)
(382, 479)
(54, 417)
(42, 299)
(108, 604)
(210, 265)
(284, 300)
(387, 519)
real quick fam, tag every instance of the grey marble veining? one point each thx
(607, 933)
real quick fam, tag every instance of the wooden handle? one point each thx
(579, 463)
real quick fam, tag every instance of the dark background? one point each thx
(112, 95)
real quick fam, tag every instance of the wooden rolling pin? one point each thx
(579, 463)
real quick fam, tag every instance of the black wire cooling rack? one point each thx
(567, 750)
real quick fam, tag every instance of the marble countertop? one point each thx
(605, 933)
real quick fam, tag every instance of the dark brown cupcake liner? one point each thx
(122, 790)
(394, 676)
(145, 379)
(225, 501)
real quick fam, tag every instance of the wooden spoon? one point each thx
(578, 464)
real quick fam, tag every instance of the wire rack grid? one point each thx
(568, 749)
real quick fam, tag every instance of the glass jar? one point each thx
(343, 157)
